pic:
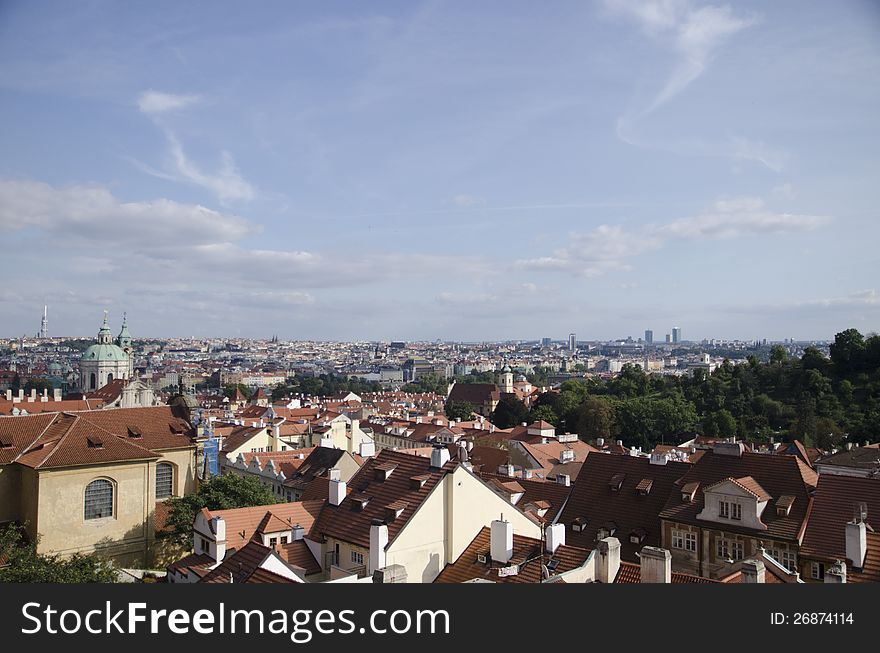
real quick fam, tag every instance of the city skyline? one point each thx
(386, 171)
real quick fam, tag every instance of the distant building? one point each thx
(676, 335)
(572, 342)
(668, 339)
(649, 336)
(545, 342)
(106, 360)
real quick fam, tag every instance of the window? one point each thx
(92, 381)
(273, 541)
(729, 509)
(99, 499)
(109, 378)
(735, 511)
(723, 509)
(684, 540)
(357, 557)
(284, 539)
(786, 558)
(204, 544)
(729, 549)
(817, 571)
(164, 480)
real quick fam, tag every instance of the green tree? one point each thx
(848, 351)
(595, 419)
(229, 390)
(22, 563)
(38, 384)
(509, 412)
(459, 410)
(215, 493)
(778, 355)
(545, 413)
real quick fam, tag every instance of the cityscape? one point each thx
(439, 293)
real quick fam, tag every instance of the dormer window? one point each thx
(359, 501)
(783, 505)
(5, 443)
(95, 442)
(616, 482)
(579, 525)
(644, 486)
(383, 471)
(729, 509)
(418, 482)
(134, 432)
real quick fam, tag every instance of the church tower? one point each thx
(505, 380)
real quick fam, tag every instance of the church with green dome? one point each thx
(107, 359)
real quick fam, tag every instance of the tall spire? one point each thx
(104, 335)
(44, 324)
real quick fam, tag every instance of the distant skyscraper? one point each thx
(668, 339)
(649, 337)
(572, 342)
(545, 342)
(44, 324)
(676, 334)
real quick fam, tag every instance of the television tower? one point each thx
(44, 324)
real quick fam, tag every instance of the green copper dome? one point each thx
(104, 352)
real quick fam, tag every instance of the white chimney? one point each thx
(33, 394)
(337, 488)
(8, 395)
(368, 449)
(527, 473)
(470, 445)
(563, 479)
(219, 528)
(608, 562)
(753, 571)
(45, 395)
(439, 456)
(856, 543)
(566, 456)
(327, 443)
(656, 565)
(554, 537)
(501, 541)
(600, 442)
(378, 542)
(297, 533)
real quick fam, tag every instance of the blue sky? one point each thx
(423, 170)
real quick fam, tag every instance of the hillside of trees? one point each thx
(326, 385)
(819, 400)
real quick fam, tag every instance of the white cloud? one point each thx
(226, 183)
(609, 247)
(154, 102)
(693, 32)
(92, 212)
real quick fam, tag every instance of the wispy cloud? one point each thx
(610, 247)
(693, 32)
(153, 102)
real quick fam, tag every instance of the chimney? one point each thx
(337, 488)
(837, 573)
(656, 565)
(554, 537)
(45, 395)
(21, 394)
(608, 562)
(752, 571)
(297, 533)
(501, 541)
(367, 449)
(219, 527)
(563, 479)
(620, 443)
(728, 449)
(327, 443)
(33, 394)
(659, 458)
(527, 473)
(566, 456)
(439, 456)
(856, 543)
(355, 425)
(378, 542)
(600, 442)
(506, 470)
(8, 395)
(470, 445)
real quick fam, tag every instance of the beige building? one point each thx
(90, 481)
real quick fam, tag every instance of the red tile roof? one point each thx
(527, 556)
(632, 573)
(593, 498)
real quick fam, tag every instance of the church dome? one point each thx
(104, 352)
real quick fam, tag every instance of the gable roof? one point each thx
(536, 491)
(317, 464)
(242, 524)
(473, 393)
(626, 508)
(833, 504)
(774, 475)
(527, 557)
(349, 523)
(244, 566)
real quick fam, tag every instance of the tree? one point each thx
(38, 384)
(459, 410)
(230, 389)
(778, 355)
(595, 419)
(509, 412)
(215, 493)
(848, 351)
(24, 565)
(545, 413)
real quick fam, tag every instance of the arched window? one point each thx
(109, 377)
(92, 381)
(99, 499)
(164, 480)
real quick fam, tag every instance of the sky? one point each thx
(441, 170)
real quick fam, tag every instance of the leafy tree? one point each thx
(459, 410)
(38, 384)
(848, 351)
(545, 413)
(778, 355)
(215, 493)
(509, 412)
(428, 383)
(229, 390)
(596, 419)
(24, 565)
